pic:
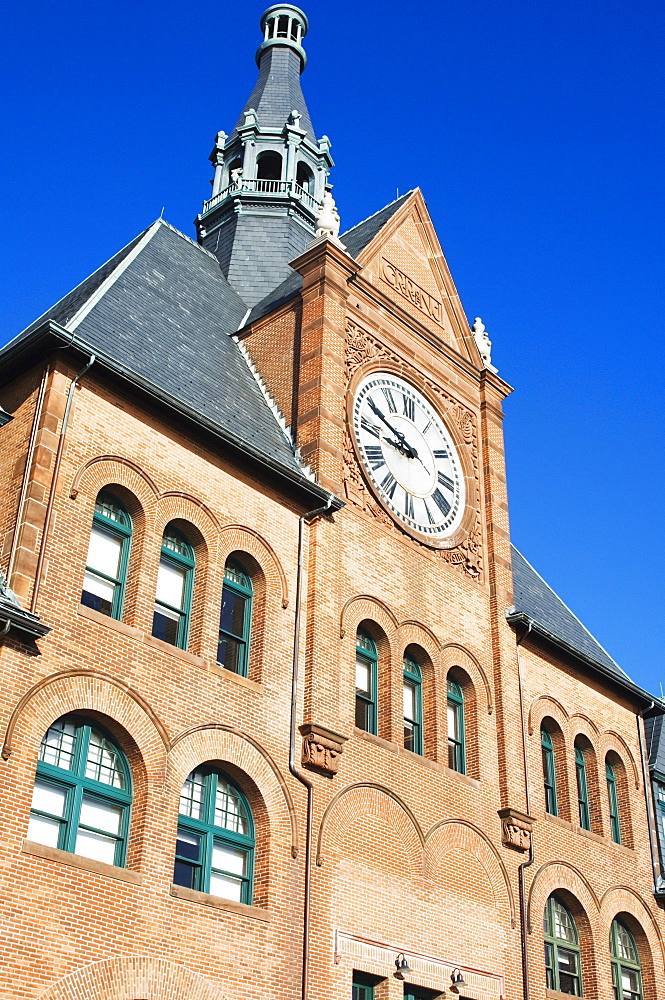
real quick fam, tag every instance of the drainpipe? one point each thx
(56, 469)
(26, 472)
(655, 863)
(292, 747)
(529, 861)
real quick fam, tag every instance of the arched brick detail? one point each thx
(622, 899)
(545, 705)
(418, 634)
(454, 655)
(237, 538)
(174, 506)
(216, 742)
(609, 740)
(559, 875)
(580, 723)
(369, 799)
(130, 977)
(459, 835)
(105, 469)
(363, 606)
(87, 691)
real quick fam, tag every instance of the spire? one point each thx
(271, 172)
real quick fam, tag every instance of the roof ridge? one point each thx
(382, 209)
(186, 237)
(570, 612)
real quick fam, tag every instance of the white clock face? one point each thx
(408, 455)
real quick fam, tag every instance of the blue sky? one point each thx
(535, 131)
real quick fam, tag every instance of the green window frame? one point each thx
(363, 986)
(367, 668)
(412, 686)
(626, 965)
(613, 799)
(82, 793)
(235, 619)
(563, 965)
(549, 772)
(175, 580)
(106, 563)
(215, 841)
(455, 715)
(582, 788)
(660, 808)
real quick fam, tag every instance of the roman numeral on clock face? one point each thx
(446, 481)
(441, 502)
(409, 407)
(408, 507)
(441, 453)
(374, 454)
(389, 484)
(369, 428)
(390, 399)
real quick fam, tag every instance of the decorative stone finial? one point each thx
(250, 119)
(294, 118)
(483, 343)
(327, 221)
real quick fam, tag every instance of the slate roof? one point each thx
(355, 240)
(165, 316)
(536, 599)
(654, 730)
(277, 92)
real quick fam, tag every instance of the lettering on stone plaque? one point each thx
(408, 288)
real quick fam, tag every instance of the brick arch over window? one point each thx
(227, 745)
(237, 538)
(135, 976)
(175, 506)
(453, 655)
(369, 799)
(628, 905)
(459, 835)
(552, 877)
(609, 740)
(105, 469)
(417, 634)
(361, 607)
(541, 707)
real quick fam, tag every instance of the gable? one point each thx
(404, 261)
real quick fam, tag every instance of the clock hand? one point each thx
(406, 448)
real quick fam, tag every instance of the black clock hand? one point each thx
(406, 448)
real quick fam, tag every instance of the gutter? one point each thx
(521, 618)
(65, 338)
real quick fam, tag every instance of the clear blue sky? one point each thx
(535, 131)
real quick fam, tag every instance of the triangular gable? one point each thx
(405, 261)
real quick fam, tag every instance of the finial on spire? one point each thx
(283, 24)
(483, 343)
(327, 221)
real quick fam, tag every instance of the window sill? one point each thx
(211, 666)
(590, 835)
(415, 757)
(219, 903)
(78, 861)
(556, 995)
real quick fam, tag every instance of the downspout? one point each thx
(529, 861)
(304, 982)
(26, 472)
(655, 863)
(54, 480)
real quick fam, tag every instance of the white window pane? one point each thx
(49, 798)
(95, 846)
(228, 859)
(363, 675)
(409, 701)
(104, 552)
(452, 721)
(171, 584)
(101, 815)
(43, 830)
(100, 588)
(58, 745)
(223, 885)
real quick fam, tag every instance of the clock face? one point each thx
(409, 456)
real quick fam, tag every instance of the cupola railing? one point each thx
(265, 188)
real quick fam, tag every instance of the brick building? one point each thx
(285, 715)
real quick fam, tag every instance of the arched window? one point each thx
(613, 799)
(235, 619)
(366, 682)
(413, 706)
(562, 949)
(455, 709)
(582, 788)
(549, 772)
(173, 602)
(108, 555)
(83, 792)
(626, 967)
(215, 845)
(304, 177)
(269, 166)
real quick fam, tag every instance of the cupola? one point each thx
(271, 172)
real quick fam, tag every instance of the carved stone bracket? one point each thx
(321, 748)
(516, 829)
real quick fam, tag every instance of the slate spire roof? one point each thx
(277, 92)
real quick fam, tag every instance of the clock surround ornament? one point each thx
(408, 458)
